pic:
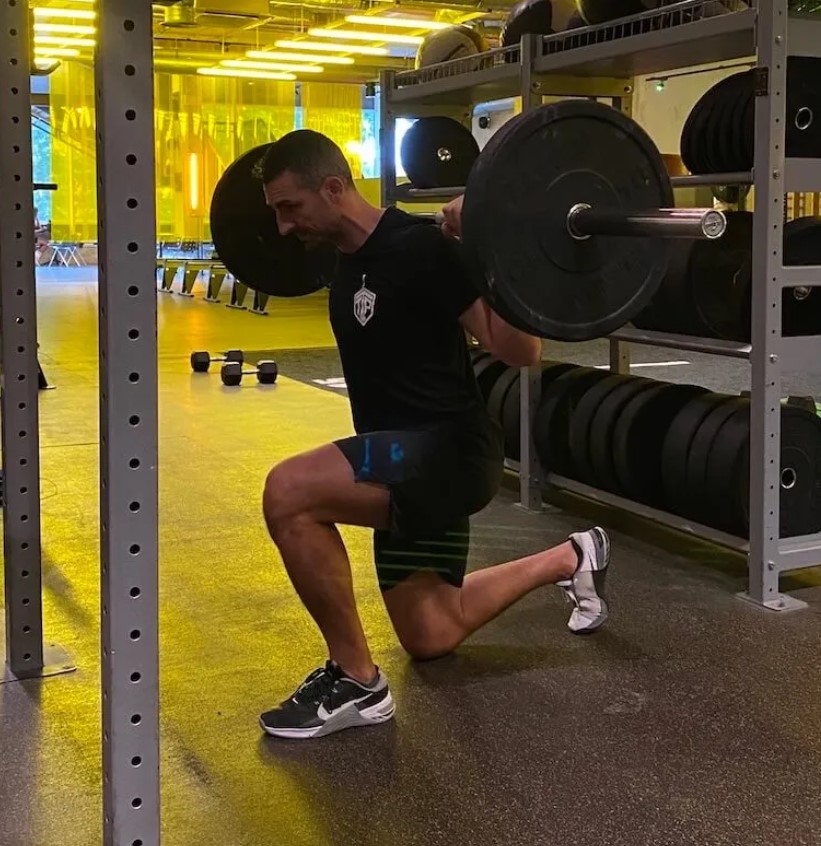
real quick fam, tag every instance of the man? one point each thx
(425, 457)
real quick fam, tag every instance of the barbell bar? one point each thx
(566, 216)
(584, 222)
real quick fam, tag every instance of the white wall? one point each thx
(662, 113)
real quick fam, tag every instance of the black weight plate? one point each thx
(726, 126)
(638, 438)
(727, 479)
(247, 240)
(719, 279)
(527, 16)
(512, 410)
(552, 422)
(739, 160)
(803, 111)
(803, 126)
(748, 132)
(675, 450)
(693, 141)
(714, 131)
(694, 496)
(438, 152)
(800, 512)
(581, 421)
(602, 11)
(801, 306)
(800, 477)
(487, 371)
(600, 441)
(672, 309)
(496, 398)
(679, 294)
(531, 173)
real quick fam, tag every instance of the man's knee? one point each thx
(425, 643)
(282, 494)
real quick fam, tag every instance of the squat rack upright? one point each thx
(124, 89)
(601, 62)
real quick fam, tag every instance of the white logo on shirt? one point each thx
(364, 304)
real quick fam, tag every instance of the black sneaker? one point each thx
(329, 701)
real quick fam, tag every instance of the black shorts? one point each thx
(437, 476)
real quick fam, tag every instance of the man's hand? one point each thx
(452, 213)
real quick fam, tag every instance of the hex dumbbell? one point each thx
(265, 371)
(201, 361)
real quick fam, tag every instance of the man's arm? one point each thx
(496, 335)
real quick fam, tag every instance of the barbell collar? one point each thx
(584, 221)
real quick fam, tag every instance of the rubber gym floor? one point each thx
(692, 718)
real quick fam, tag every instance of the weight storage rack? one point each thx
(601, 61)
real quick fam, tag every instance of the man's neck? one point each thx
(359, 221)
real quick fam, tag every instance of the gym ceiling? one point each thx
(194, 35)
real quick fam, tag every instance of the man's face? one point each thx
(311, 215)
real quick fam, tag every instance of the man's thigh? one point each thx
(434, 478)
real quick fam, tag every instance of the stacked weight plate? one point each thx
(707, 291)
(677, 448)
(718, 134)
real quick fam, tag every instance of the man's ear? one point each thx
(334, 188)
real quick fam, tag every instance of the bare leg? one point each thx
(304, 497)
(432, 617)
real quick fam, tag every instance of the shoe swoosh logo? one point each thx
(323, 713)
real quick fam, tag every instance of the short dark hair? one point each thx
(310, 155)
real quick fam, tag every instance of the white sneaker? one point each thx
(585, 590)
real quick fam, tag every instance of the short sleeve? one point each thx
(449, 281)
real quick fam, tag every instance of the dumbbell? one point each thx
(201, 361)
(265, 371)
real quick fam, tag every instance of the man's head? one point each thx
(307, 182)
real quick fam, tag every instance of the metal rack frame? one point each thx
(128, 404)
(601, 61)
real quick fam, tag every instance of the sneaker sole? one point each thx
(599, 582)
(348, 718)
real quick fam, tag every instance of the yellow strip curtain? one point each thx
(336, 111)
(201, 125)
(73, 153)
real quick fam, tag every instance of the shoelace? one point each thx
(319, 685)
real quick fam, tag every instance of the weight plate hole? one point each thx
(788, 478)
(803, 118)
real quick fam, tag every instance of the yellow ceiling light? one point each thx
(77, 14)
(336, 48)
(67, 29)
(160, 62)
(265, 55)
(64, 41)
(46, 64)
(246, 74)
(282, 66)
(62, 52)
(406, 23)
(356, 35)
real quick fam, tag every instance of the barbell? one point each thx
(565, 220)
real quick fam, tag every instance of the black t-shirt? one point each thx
(394, 307)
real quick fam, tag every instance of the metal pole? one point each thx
(584, 221)
(530, 379)
(765, 382)
(128, 424)
(18, 347)
(387, 140)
